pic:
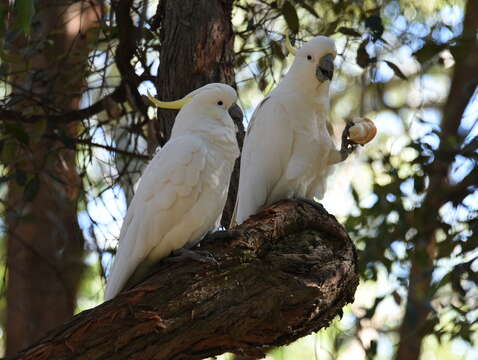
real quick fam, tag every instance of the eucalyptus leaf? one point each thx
(24, 10)
(290, 14)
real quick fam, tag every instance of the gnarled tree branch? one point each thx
(117, 96)
(288, 272)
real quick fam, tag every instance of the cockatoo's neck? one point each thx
(220, 134)
(310, 89)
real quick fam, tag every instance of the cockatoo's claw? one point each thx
(196, 255)
(348, 146)
(311, 202)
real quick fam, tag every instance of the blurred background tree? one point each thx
(76, 133)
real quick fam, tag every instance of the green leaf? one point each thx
(262, 64)
(429, 51)
(397, 297)
(396, 70)
(371, 311)
(309, 8)
(241, 59)
(349, 32)
(18, 133)
(471, 243)
(429, 325)
(263, 83)
(24, 10)
(291, 18)
(277, 50)
(374, 24)
(371, 351)
(363, 59)
(419, 184)
(355, 195)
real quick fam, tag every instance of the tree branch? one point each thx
(129, 36)
(287, 273)
(118, 96)
(111, 149)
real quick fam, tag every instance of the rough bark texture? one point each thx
(464, 82)
(196, 49)
(288, 272)
(45, 244)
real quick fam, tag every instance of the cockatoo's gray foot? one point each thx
(311, 202)
(196, 255)
(348, 146)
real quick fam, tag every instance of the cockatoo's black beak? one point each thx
(236, 113)
(325, 69)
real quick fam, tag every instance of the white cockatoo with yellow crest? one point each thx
(183, 190)
(288, 149)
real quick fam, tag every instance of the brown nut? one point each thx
(362, 131)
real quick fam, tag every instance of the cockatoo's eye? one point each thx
(309, 57)
(220, 103)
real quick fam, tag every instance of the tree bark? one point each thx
(287, 272)
(45, 244)
(464, 82)
(196, 49)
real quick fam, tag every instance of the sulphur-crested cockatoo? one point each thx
(288, 149)
(183, 190)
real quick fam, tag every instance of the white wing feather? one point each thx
(265, 156)
(168, 210)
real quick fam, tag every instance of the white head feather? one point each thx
(207, 108)
(307, 65)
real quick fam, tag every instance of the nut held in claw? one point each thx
(362, 131)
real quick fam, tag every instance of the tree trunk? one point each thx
(464, 82)
(196, 49)
(287, 272)
(45, 244)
